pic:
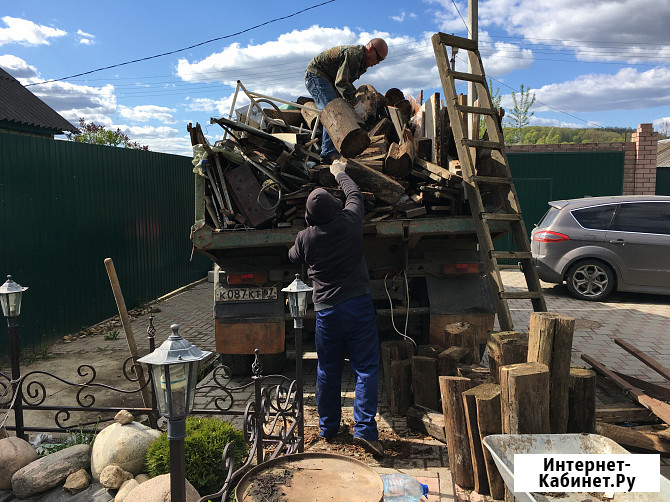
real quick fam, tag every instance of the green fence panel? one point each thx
(663, 181)
(65, 207)
(542, 177)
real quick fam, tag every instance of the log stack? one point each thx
(398, 156)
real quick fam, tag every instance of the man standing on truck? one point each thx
(332, 247)
(330, 75)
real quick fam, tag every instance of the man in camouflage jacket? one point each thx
(330, 75)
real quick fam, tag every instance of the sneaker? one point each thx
(374, 447)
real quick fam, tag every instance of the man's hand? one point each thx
(338, 166)
(361, 112)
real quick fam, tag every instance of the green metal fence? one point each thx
(65, 207)
(543, 177)
(663, 181)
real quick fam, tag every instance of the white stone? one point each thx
(158, 490)
(141, 478)
(124, 417)
(125, 489)
(113, 477)
(15, 453)
(122, 445)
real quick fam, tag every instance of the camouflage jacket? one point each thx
(340, 65)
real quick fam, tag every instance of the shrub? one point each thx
(205, 440)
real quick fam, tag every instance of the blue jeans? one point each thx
(349, 328)
(323, 93)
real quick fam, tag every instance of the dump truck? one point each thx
(422, 252)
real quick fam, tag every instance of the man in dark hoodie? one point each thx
(332, 247)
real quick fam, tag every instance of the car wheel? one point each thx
(590, 280)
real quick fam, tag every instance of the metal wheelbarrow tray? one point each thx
(504, 446)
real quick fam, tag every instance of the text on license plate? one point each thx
(241, 294)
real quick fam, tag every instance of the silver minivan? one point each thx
(601, 244)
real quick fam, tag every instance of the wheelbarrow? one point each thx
(504, 446)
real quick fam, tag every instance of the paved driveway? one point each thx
(642, 320)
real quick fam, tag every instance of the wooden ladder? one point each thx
(502, 203)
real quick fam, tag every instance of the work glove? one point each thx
(361, 112)
(338, 166)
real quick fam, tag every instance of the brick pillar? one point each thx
(646, 150)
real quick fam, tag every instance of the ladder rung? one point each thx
(477, 109)
(452, 41)
(520, 295)
(493, 145)
(468, 77)
(499, 255)
(502, 216)
(492, 179)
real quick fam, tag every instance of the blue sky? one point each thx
(590, 63)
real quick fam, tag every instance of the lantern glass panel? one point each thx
(302, 303)
(11, 304)
(174, 385)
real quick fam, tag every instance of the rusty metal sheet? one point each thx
(244, 337)
(245, 190)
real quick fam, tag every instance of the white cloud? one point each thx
(623, 30)
(501, 58)
(24, 32)
(145, 113)
(400, 18)
(85, 38)
(17, 67)
(94, 104)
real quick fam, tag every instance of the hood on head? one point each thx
(321, 207)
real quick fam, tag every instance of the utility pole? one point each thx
(473, 29)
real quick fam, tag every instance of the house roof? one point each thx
(21, 109)
(663, 157)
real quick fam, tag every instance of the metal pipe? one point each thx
(176, 435)
(298, 324)
(12, 328)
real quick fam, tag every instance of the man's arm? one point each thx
(354, 201)
(295, 254)
(346, 74)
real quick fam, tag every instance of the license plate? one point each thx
(247, 294)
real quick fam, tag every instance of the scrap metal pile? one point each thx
(401, 155)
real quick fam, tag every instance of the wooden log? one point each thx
(477, 373)
(525, 398)
(399, 159)
(424, 382)
(456, 431)
(367, 95)
(339, 119)
(384, 187)
(429, 350)
(480, 478)
(393, 95)
(424, 148)
(432, 127)
(462, 334)
(400, 390)
(404, 109)
(624, 412)
(381, 128)
(393, 350)
(487, 398)
(629, 437)
(582, 401)
(505, 348)
(309, 116)
(448, 360)
(427, 421)
(550, 343)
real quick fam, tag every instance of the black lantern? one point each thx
(10, 297)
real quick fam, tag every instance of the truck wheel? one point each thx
(590, 280)
(240, 364)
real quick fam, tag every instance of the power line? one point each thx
(185, 48)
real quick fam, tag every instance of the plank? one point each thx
(632, 438)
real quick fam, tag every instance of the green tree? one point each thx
(519, 116)
(97, 135)
(495, 102)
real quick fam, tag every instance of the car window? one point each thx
(597, 217)
(643, 217)
(548, 217)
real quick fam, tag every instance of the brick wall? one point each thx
(639, 170)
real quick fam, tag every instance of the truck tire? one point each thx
(240, 364)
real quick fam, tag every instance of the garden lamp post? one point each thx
(10, 298)
(297, 293)
(174, 369)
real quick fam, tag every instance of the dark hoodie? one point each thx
(332, 246)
